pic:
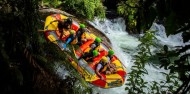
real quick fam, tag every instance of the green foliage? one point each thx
(138, 14)
(128, 9)
(51, 3)
(166, 12)
(136, 83)
(179, 69)
(170, 84)
(16, 35)
(85, 8)
(25, 54)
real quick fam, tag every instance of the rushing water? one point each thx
(125, 47)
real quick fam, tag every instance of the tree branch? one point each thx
(53, 11)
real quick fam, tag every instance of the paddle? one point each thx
(46, 30)
(67, 42)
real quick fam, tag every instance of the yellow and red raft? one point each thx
(87, 69)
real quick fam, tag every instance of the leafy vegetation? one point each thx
(85, 8)
(81, 8)
(27, 59)
(170, 14)
(129, 9)
(136, 83)
(139, 14)
(51, 3)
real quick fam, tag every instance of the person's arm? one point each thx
(97, 71)
(113, 66)
(108, 65)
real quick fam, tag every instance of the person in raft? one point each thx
(94, 48)
(110, 54)
(63, 24)
(112, 66)
(70, 38)
(81, 35)
(104, 67)
(96, 44)
(89, 56)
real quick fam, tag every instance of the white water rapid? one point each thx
(125, 47)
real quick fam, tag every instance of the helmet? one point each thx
(104, 59)
(82, 26)
(69, 21)
(95, 52)
(98, 39)
(72, 31)
(110, 52)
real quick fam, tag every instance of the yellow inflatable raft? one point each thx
(87, 69)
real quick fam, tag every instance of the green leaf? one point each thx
(126, 88)
(145, 83)
(167, 79)
(130, 17)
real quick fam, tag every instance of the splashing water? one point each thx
(61, 71)
(125, 45)
(171, 41)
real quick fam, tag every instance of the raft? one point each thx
(87, 69)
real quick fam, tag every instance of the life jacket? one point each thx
(84, 36)
(66, 34)
(112, 58)
(89, 49)
(97, 46)
(74, 41)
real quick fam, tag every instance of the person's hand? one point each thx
(101, 49)
(84, 40)
(102, 78)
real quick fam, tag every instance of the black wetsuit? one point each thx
(89, 54)
(79, 35)
(96, 45)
